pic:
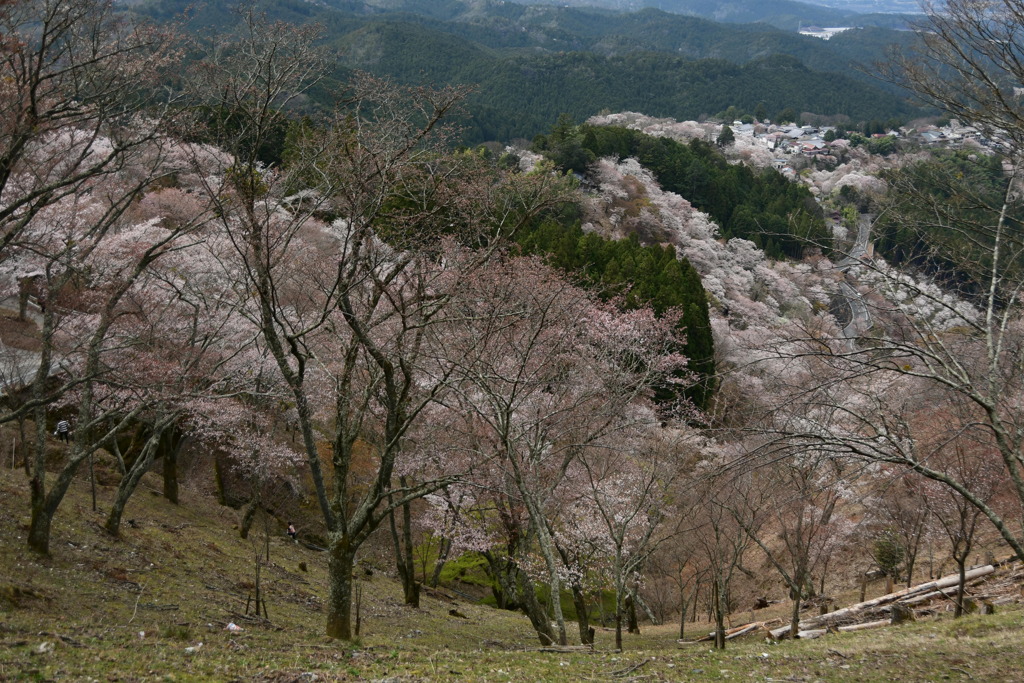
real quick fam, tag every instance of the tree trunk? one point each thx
(44, 504)
(684, 607)
(682, 620)
(42, 518)
(535, 611)
(554, 582)
(579, 601)
(218, 479)
(695, 600)
(170, 445)
(794, 617)
(130, 482)
(124, 492)
(341, 562)
(403, 554)
(642, 604)
(23, 295)
(442, 557)
(961, 564)
(719, 609)
(506, 593)
(631, 620)
(248, 515)
(618, 620)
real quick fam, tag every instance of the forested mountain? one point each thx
(785, 14)
(530, 63)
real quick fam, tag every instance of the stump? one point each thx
(901, 614)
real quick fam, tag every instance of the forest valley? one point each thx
(484, 369)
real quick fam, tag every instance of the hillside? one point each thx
(155, 604)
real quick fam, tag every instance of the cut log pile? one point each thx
(762, 627)
(983, 586)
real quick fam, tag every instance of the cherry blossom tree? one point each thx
(353, 309)
(191, 349)
(93, 263)
(630, 487)
(556, 373)
(79, 102)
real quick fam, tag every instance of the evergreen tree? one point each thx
(726, 137)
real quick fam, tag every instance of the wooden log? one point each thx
(812, 634)
(931, 586)
(918, 599)
(737, 631)
(864, 626)
(749, 628)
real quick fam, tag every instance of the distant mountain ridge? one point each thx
(784, 14)
(529, 63)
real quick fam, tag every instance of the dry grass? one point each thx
(130, 609)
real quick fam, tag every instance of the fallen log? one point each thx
(812, 634)
(864, 626)
(851, 611)
(742, 632)
(738, 631)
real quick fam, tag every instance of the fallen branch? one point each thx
(137, 598)
(622, 673)
(562, 648)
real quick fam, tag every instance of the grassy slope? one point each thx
(183, 573)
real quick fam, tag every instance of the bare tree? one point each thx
(905, 509)
(723, 537)
(79, 101)
(792, 498)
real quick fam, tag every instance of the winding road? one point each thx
(860, 316)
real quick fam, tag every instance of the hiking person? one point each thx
(64, 431)
(292, 533)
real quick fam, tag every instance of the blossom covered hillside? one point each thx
(746, 288)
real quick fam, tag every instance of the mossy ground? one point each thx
(136, 608)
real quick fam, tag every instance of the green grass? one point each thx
(136, 608)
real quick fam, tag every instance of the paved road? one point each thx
(860, 316)
(17, 366)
